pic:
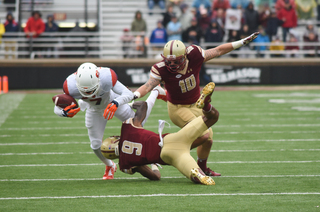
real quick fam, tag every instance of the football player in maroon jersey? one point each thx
(179, 72)
(138, 147)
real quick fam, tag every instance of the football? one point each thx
(64, 100)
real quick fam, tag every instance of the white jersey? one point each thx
(109, 86)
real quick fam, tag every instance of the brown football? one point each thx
(64, 100)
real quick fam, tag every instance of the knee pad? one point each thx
(95, 144)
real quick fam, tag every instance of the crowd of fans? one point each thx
(205, 22)
(214, 21)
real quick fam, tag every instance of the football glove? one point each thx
(70, 111)
(110, 109)
(250, 38)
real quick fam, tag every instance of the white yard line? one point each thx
(100, 164)
(135, 178)
(219, 141)
(8, 103)
(221, 150)
(156, 126)
(162, 195)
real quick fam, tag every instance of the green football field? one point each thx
(266, 146)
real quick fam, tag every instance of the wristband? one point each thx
(237, 44)
(137, 94)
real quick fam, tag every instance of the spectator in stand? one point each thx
(280, 4)
(251, 17)
(310, 28)
(220, 17)
(318, 12)
(51, 27)
(174, 29)
(34, 26)
(233, 36)
(276, 45)
(273, 22)
(152, 3)
(201, 4)
(126, 40)
(139, 29)
(262, 3)
(305, 8)
(261, 42)
(33, 29)
(220, 4)
(244, 32)
(312, 39)
(193, 34)
(167, 15)
(2, 31)
(214, 34)
(239, 3)
(289, 17)
(10, 26)
(138, 25)
(292, 49)
(158, 36)
(264, 14)
(204, 20)
(185, 17)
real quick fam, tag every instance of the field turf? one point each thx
(266, 146)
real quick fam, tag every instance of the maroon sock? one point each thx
(207, 107)
(202, 163)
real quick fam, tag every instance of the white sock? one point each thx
(150, 102)
(102, 158)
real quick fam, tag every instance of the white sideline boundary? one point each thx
(161, 195)
(6, 110)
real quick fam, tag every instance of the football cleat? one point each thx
(109, 173)
(205, 96)
(201, 178)
(211, 173)
(162, 93)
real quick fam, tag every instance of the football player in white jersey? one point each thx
(102, 96)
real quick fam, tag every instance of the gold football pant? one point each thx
(181, 115)
(176, 146)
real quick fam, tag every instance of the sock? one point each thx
(150, 102)
(202, 163)
(207, 107)
(102, 158)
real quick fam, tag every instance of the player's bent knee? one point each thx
(95, 144)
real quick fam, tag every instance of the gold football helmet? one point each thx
(174, 55)
(109, 147)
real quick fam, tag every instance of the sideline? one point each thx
(8, 103)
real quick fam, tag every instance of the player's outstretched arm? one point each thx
(152, 173)
(146, 88)
(228, 47)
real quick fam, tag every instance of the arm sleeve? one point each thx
(125, 94)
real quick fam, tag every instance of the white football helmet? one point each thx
(110, 147)
(88, 81)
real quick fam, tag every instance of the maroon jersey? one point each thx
(137, 147)
(183, 86)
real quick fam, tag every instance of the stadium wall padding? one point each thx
(47, 74)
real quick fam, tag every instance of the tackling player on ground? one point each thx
(102, 96)
(179, 72)
(138, 147)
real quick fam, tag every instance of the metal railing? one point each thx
(103, 45)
